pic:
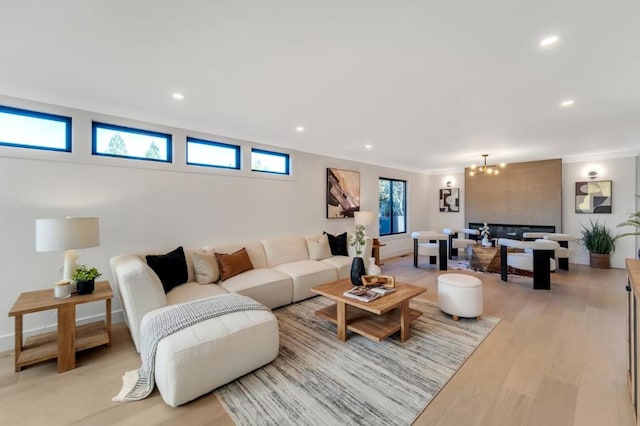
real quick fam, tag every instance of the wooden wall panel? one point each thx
(522, 194)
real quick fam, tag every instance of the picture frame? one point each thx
(450, 200)
(594, 197)
(343, 193)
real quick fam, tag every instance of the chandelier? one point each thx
(484, 169)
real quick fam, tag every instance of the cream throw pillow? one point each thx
(205, 268)
(318, 247)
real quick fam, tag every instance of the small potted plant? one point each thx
(600, 244)
(485, 233)
(85, 279)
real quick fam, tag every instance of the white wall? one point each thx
(143, 205)
(622, 172)
(441, 220)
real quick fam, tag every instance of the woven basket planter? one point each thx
(601, 261)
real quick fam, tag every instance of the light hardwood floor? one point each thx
(557, 358)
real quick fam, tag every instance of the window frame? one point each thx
(99, 124)
(67, 121)
(284, 155)
(200, 141)
(391, 216)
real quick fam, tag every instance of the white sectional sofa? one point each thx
(284, 271)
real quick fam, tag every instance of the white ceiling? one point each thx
(431, 85)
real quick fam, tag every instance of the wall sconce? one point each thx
(592, 174)
(448, 183)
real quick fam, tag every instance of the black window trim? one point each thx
(391, 206)
(284, 155)
(43, 115)
(98, 124)
(237, 148)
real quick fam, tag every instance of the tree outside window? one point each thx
(392, 203)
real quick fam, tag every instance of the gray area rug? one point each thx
(318, 380)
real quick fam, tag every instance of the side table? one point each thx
(68, 339)
(375, 250)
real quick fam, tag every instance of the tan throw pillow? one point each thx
(318, 247)
(234, 263)
(205, 268)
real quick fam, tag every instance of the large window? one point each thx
(30, 129)
(269, 162)
(392, 194)
(127, 142)
(213, 154)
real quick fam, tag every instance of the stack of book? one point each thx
(367, 294)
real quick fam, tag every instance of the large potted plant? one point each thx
(600, 243)
(633, 220)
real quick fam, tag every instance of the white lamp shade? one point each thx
(364, 218)
(66, 234)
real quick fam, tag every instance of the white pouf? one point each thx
(460, 295)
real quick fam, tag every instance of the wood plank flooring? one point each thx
(557, 358)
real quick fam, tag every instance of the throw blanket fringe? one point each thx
(138, 384)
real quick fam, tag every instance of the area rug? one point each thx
(317, 379)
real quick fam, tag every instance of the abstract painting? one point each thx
(593, 197)
(343, 193)
(450, 200)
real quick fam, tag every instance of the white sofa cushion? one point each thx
(204, 356)
(343, 265)
(193, 291)
(270, 287)
(140, 290)
(307, 274)
(285, 250)
(318, 247)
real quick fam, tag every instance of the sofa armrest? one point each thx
(140, 290)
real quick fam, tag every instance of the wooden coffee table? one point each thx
(375, 320)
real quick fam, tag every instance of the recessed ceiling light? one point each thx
(368, 147)
(548, 41)
(299, 129)
(178, 96)
(567, 103)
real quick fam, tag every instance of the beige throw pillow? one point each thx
(318, 247)
(205, 268)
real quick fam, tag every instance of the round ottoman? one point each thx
(460, 295)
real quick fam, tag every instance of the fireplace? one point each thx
(502, 230)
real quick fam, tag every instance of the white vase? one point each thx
(486, 242)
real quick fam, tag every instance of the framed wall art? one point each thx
(450, 200)
(343, 193)
(593, 197)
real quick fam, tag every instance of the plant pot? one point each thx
(86, 287)
(600, 261)
(357, 271)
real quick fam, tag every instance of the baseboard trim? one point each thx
(7, 341)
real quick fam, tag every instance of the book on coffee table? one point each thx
(363, 294)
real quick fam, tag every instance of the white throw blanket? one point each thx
(138, 384)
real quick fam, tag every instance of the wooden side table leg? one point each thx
(108, 321)
(404, 321)
(341, 314)
(66, 337)
(18, 344)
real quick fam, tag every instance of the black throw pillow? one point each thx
(338, 244)
(171, 268)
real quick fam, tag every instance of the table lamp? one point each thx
(67, 234)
